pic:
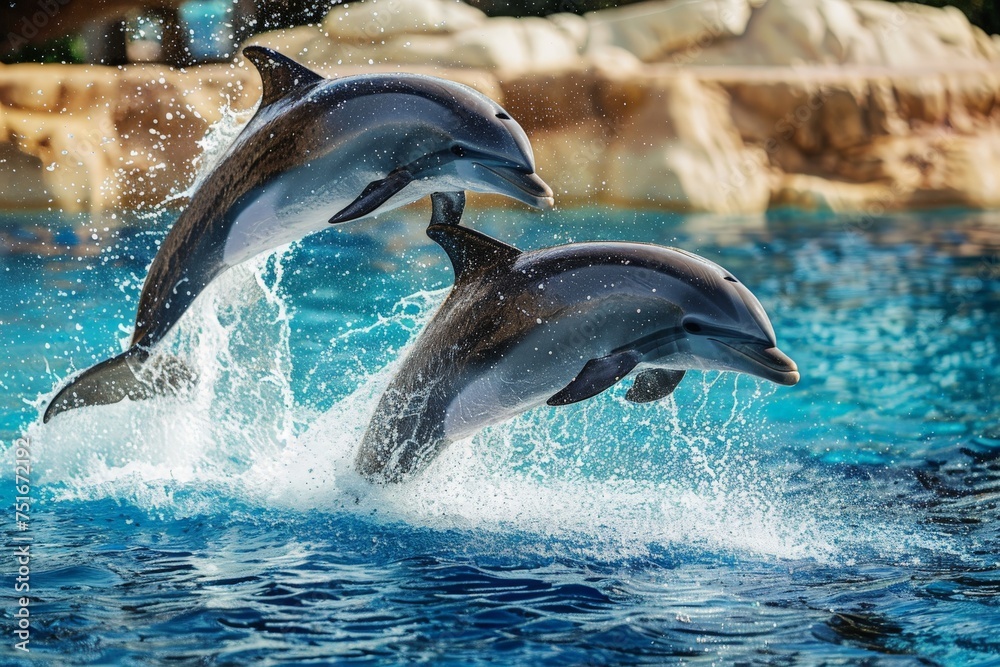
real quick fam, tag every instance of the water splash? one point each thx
(241, 408)
(603, 477)
(213, 146)
(199, 530)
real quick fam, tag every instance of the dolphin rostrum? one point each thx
(558, 326)
(317, 151)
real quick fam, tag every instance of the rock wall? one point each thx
(78, 137)
(731, 106)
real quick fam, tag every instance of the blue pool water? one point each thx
(852, 519)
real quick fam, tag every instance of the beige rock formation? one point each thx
(653, 30)
(666, 141)
(853, 32)
(446, 33)
(92, 138)
(500, 45)
(729, 106)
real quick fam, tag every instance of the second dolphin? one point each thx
(558, 326)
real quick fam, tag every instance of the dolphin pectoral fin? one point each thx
(470, 251)
(447, 207)
(377, 193)
(279, 74)
(653, 385)
(126, 376)
(596, 376)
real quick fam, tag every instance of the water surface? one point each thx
(851, 518)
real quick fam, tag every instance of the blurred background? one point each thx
(197, 31)
(719, 106)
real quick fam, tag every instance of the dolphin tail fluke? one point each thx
(128, 375)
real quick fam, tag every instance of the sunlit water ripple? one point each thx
(850, 518)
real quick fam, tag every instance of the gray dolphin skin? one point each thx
(317, 151)
(558, 326)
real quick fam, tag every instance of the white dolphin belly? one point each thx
(524, 379)
(540, 365)
(295, 205)
(486, 401)
(263, 226)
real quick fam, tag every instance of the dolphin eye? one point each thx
(692, 327)
(458, 150)
(503, 116)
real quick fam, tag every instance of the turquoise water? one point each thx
(850, 519)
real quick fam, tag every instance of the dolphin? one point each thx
(558, 326)
(317, 152)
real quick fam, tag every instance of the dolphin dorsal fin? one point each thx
(280, 75)
(470, 251)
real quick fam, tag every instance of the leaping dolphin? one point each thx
(317, 151)
(558, 326)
